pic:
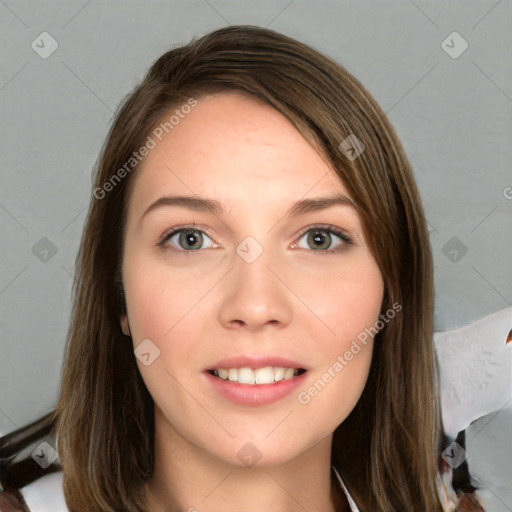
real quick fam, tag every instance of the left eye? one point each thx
(189, 239)
(322, 239)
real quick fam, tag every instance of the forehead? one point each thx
(234, 147)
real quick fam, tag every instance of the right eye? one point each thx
(187, 239)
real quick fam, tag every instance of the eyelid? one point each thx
(342, 234)
(327, 227)
(186, 227)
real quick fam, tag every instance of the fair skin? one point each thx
(199, 301)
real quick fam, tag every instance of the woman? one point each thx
(252, 323)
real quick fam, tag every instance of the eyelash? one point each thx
(326, 228)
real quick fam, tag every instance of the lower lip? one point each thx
(254, 394)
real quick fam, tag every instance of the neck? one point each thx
(188, 479)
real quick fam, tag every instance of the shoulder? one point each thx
(45, 494)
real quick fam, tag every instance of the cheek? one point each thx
(348, 302)
(344, 355)
(158, 299)
(165, 311)
(349, 305)
(168, 308)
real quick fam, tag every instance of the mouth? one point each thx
(266, 375)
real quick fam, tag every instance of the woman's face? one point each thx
(238, 266)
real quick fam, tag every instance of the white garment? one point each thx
(353, 506)
(475, 365)
(47, 495)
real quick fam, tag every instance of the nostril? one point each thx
(236, 323)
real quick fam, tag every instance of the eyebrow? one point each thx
(202, 204)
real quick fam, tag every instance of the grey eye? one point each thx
(190, 240)
(319, 239)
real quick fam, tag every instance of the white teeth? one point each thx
(245, 376)
(288, 374)
(266, 375)
(278, 374)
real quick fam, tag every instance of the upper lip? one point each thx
(255, 361)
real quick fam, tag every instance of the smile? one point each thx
(249, 376)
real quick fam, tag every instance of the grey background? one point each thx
(452, 114)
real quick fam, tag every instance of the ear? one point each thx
(125, 326)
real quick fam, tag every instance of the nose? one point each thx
(255, 295)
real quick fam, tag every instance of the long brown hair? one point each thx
(386, 449)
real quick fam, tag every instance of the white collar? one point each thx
(46, 494)
(351, 502)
